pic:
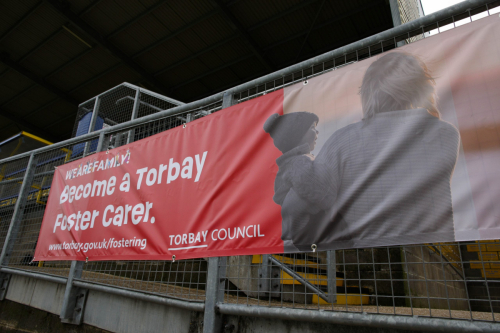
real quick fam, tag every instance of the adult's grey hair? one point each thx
(397, 81)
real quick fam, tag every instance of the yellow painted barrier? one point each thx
(352, 299)
(318, 280)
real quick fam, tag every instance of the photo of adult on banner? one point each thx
(383, 179)
(399, 148)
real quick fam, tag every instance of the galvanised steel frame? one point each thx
(214, 306)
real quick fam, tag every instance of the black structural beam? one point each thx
(227, 40)
(5, 58)
(212, 71)
(176, 32)
(268, 47)
(64, 10)
(345, 15)
(320, 7)
(195, 55)
(306, 56)
(254, 27)
(137, 18)
(20, 21)
(237, 26)
(28, 126)
(90, 7)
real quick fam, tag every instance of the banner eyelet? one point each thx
(314, 247)
(173, 258)
(183, 125)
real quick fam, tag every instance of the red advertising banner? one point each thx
(201, 190)
(400, 148)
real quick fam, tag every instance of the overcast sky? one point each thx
(431, 6)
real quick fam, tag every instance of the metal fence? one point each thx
(409, 287)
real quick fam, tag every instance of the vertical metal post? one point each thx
(135, 112)
(227, 100)
(100, 143)
(75, 298)
(331, 260)
(93, 120)
(216, 275)
(264, 276)
(15, 223)
(396, 16)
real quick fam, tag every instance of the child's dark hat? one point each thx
(289, 129)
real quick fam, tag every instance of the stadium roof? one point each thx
(55, 55)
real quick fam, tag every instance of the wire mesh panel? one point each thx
(184, 279)
(26, 236)
(452, 280)
(150, 103)
(11, 175)
(121, 137)
(446, 280)
(116, 105)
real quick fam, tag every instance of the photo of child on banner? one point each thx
(382, 180)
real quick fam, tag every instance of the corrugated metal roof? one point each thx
(52, 59)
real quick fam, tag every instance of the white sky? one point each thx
(431, 6)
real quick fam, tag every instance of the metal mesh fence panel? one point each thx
(11, 175)
(26, 237)
(150, 103)
(121, 137)
(181, 279)
(453, 280)
(119, 105)
(446, 280)
(116, 105)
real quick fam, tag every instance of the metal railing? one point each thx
(431, 286)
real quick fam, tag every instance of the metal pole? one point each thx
(332, 276)
(15, 224)
(265, 275)
(300, 279)
(74, 297)
(214, 294)
(396, 16)
(414, 323)
(216, 275)
(135, 111)
(93, 120)
(100, 143)
(139, 295)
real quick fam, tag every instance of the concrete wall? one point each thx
(442, 281)
(105, 311)
(34, 306)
